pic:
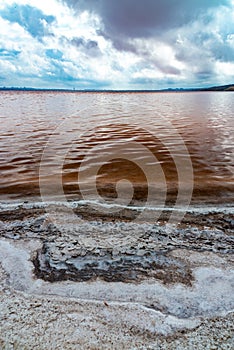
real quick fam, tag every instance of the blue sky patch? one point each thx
(54, 54)
(30, 18)
(9, 53)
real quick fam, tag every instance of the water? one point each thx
(87, 142)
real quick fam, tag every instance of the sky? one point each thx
(116, 44)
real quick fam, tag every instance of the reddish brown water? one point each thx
(108, 134)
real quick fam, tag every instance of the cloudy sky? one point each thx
(116, 44)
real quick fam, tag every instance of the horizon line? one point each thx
(176, 89)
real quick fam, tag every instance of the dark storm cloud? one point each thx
(87, 44)
(126, 20)
(90, 47)
(144, 18)
(144, 53)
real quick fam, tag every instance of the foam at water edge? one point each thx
(205, 209)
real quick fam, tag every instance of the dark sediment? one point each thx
(128, 267)
(67, 253)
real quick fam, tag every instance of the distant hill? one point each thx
(229, 87)
(221, 88)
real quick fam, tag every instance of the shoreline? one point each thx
(107, 281)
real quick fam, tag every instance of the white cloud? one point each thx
(51, 7)
(225, 69)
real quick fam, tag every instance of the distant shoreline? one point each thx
(229, 87)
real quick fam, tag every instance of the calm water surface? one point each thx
(108, 133)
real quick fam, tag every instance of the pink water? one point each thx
(78, 125)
